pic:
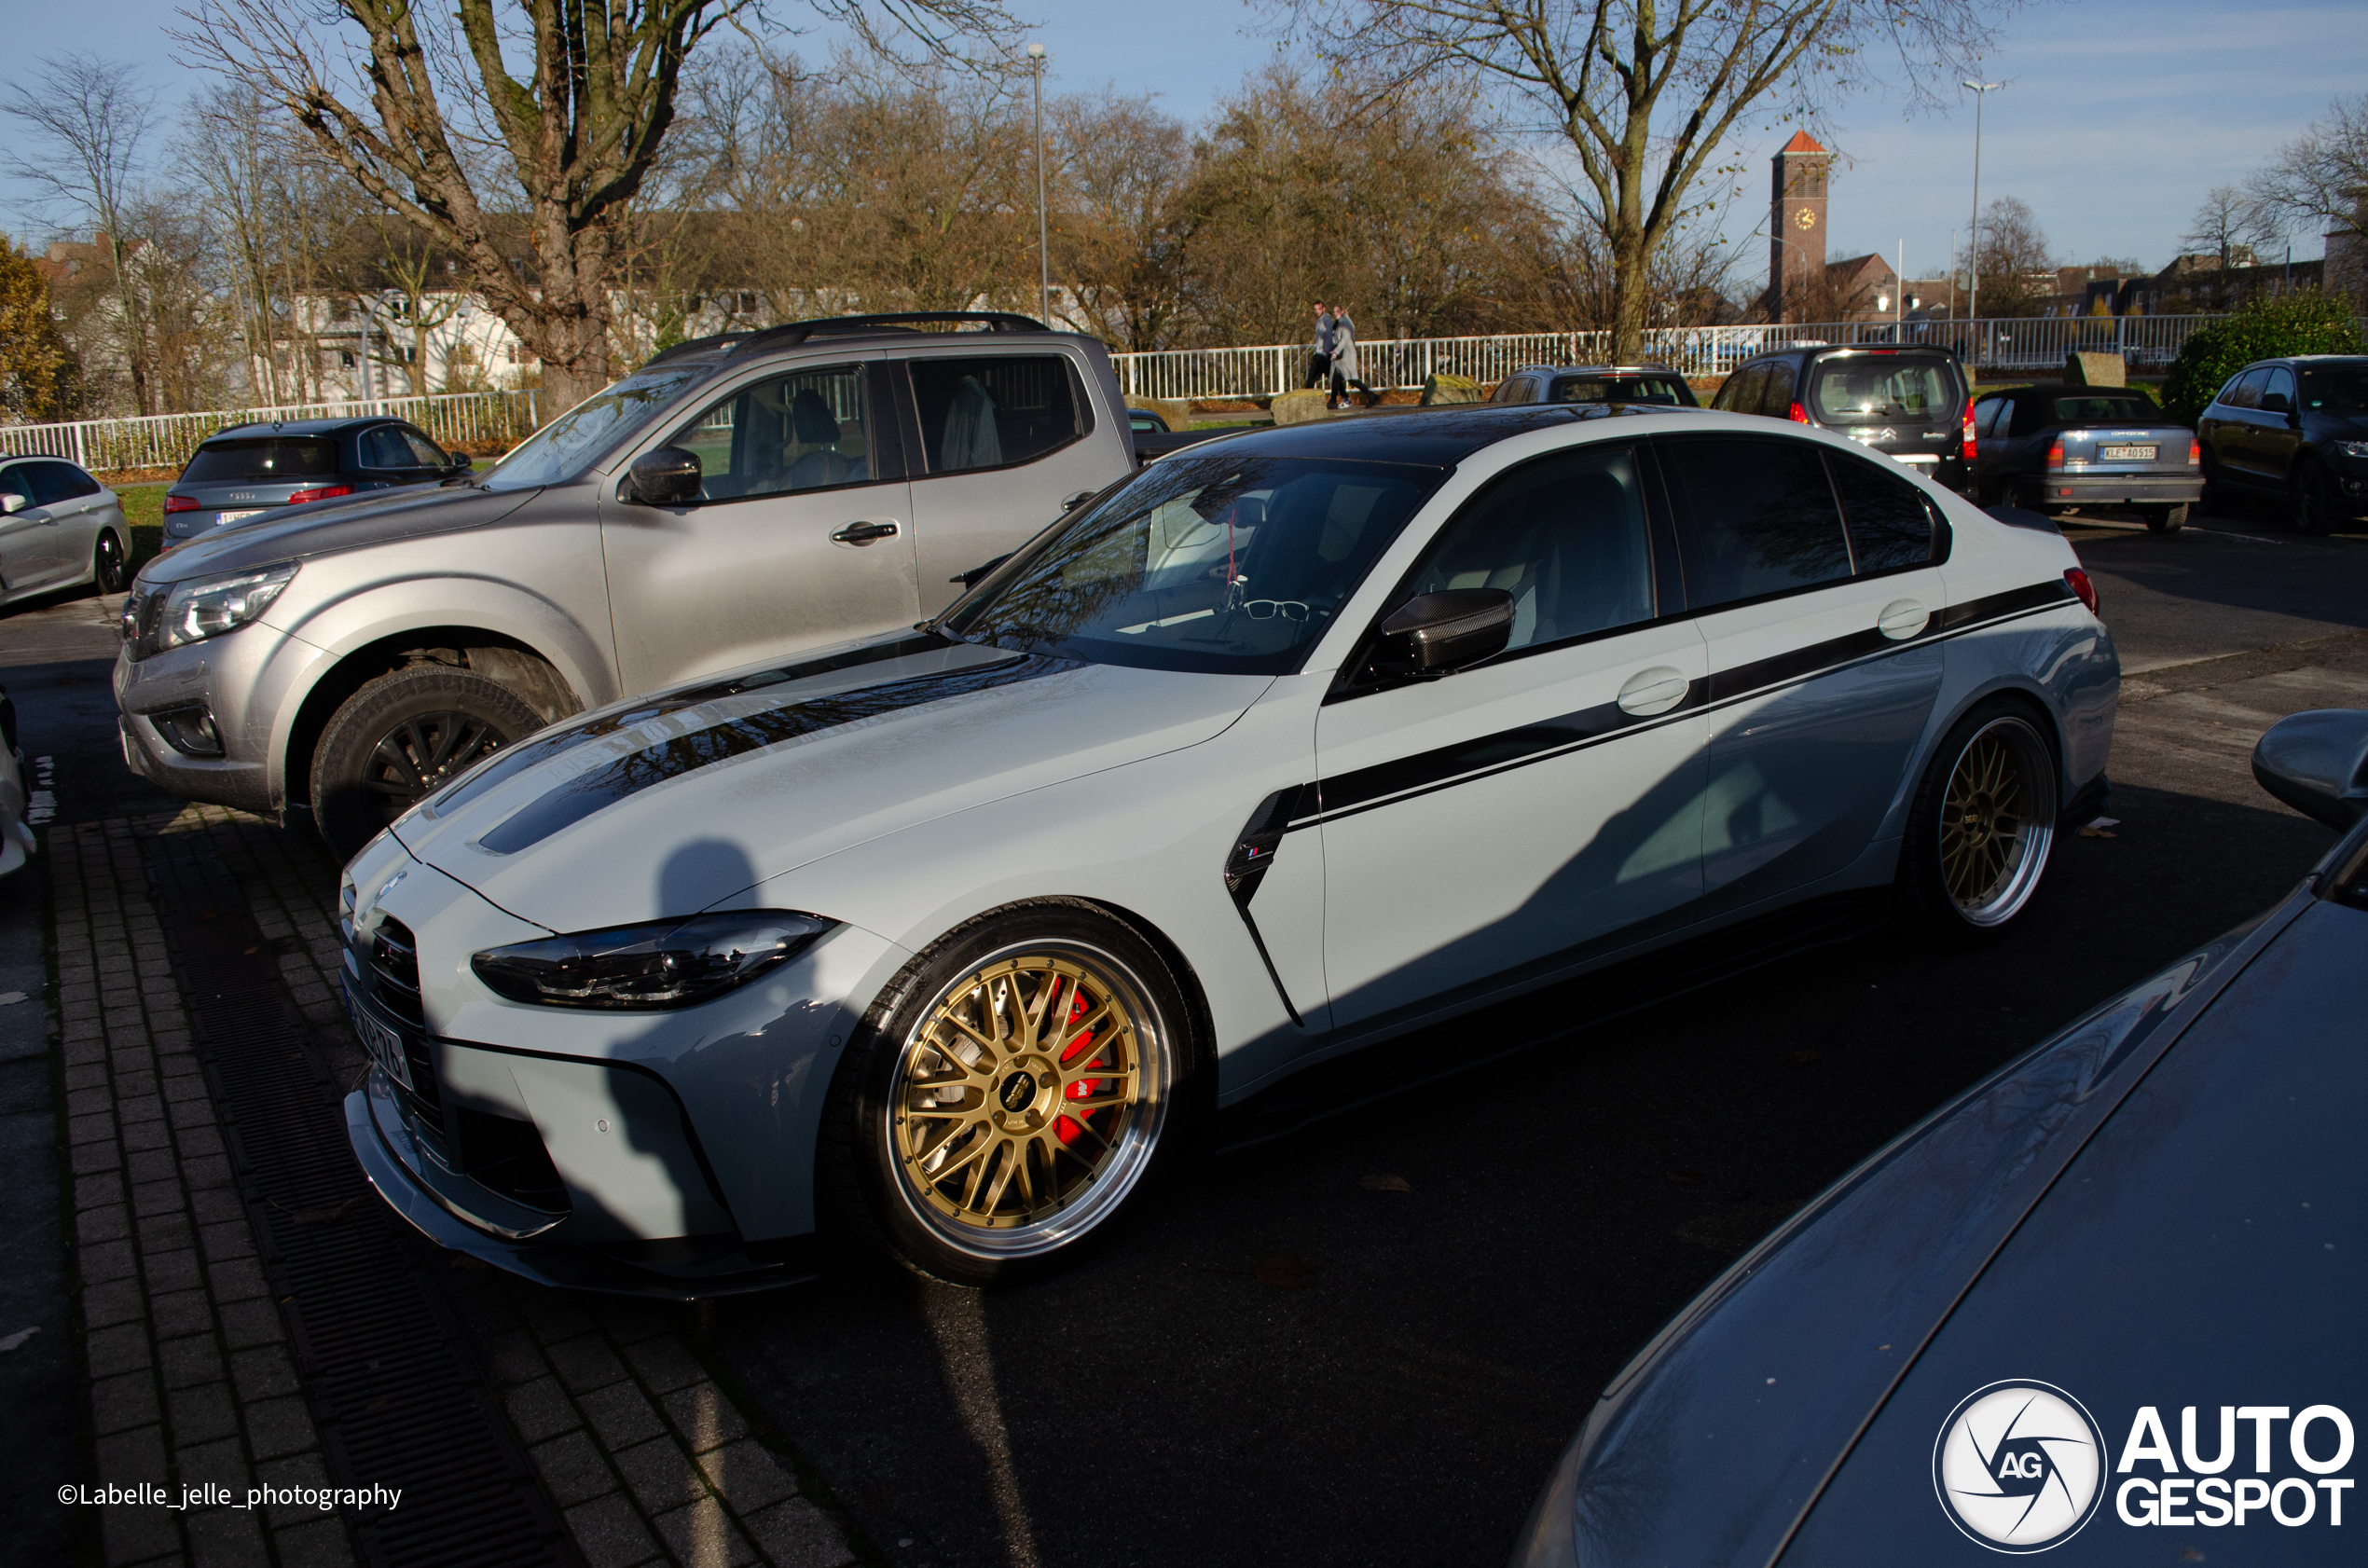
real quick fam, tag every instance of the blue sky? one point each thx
(2119, 115)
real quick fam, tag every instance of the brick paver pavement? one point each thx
(191, 1381)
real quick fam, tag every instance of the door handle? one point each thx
(1902, 619)
(1653, 691)
(864, 533)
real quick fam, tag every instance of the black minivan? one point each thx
(246, 470)
(2294, 431)
(1906, 402)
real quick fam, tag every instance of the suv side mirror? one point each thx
(462, 463)
(1456, 627)
(2275, 402)
(11, 504)
(2317, 763)
(668, 476)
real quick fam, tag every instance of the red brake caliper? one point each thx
(1066, 1129)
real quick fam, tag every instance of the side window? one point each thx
(1566, 536)
(18, 481)
(1986, 416)
(384, 447)
(1777, 401)
(2247, 394)
(2227, 397)
(2031, 416)
(424, 452)
(2281, 385)
(1759, 518)
(1742, 392)
(1890, 524)
(807, 431)
(52, 482)
(990, 413)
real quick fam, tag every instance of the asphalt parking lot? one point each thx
(1364, 1339)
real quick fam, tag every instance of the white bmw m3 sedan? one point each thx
(1289, 743)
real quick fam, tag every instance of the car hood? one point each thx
(670, 804)
(1714, 1442)
(2202, 1249)
(321, 527)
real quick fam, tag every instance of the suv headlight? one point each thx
(665, 963)
(2352, 449)
(202, 606)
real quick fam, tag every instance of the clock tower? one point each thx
(1797, 219)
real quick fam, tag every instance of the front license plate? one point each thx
(240, 516)
(383, 1044)
(2127, 454)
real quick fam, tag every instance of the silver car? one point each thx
(59, 529)
(737, 498)
(1296, 741)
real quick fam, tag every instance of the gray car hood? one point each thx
(579, 827)
(325, 527)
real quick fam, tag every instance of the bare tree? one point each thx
(1645, 94)
(2016, 262)
(86, 125)
(429, 111)
(1123, 245)
(2320, 178)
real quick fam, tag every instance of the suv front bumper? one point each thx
(238, 682)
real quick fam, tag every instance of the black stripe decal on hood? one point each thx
(543, 745)
(605, 786)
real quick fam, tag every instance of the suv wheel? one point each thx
(2310, 498)
(401, 736)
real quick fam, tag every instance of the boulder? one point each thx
(1176, 411)
(1450, 389)
(2095, 370)
(1299, 407)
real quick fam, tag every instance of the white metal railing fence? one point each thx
(166, 440)
(2004, 343)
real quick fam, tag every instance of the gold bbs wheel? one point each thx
(1996, 822)
(1028, 1098)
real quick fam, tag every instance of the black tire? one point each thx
(1947, 882)
(2165, 519)
(875, 1180)
(399, 737)
(2310, 500)
(109, 568)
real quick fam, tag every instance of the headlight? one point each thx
(668, 963)
(2352, 449)
(202, 606)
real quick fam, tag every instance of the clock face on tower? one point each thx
(1806, 218)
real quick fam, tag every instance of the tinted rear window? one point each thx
(1759, 518)
(988, 413)
(1618, 388)
(1883, 388)
(261, 460)
(2091, 409)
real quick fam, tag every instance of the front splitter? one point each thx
(563, 1268)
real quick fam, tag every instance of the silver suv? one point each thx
(736, 500)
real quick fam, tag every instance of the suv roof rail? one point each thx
(798, 332)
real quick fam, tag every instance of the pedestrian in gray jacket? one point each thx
(1319, 364)
(1345, 366)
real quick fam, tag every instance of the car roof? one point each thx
(1437, 437)
(1941, 350)
(1595, 370)
(2059, 389)
(902, 328)
(2308, 359)
(302, 427)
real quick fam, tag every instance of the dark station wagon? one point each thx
(1911, 404)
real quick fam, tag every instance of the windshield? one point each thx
(1878, 390)
(2339, 389)
(561, 447)
(2093, 409)
(1624, 389)
(261, 460)
(1232, 563)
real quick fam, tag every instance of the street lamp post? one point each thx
(1973, 245)
(1043, 233)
